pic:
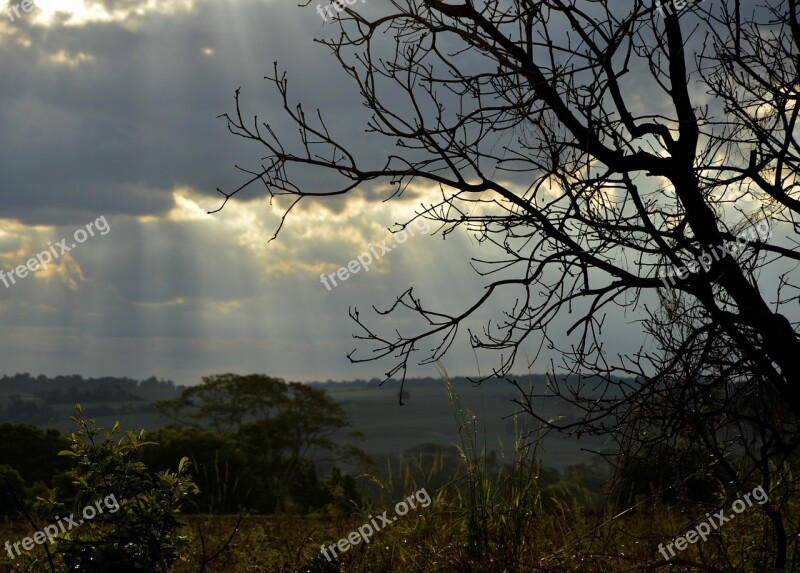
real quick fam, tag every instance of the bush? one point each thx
(141, 534)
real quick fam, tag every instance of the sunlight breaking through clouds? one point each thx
(64, 58)
(82, 12)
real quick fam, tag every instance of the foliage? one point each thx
(281, 428)
(32, 452)
(12, 488)
(221, 470)
(226, 401)
(144, 529)
(524, 517)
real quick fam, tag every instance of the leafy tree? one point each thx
(282, 428)
(12, 488)
(226, 401)
(344, 496)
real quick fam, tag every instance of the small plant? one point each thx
(141, 536)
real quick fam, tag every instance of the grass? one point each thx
(489, 515)
(435, 540)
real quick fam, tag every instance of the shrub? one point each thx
(141, 536)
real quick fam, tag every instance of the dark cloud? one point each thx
(119, 118)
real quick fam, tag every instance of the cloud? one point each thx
(110, 108)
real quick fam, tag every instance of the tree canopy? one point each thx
(283, 428)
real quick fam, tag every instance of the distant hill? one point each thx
(150, 389)
(426, 418)
(591, 386)
(45, 401)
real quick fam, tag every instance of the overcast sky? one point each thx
(108, 109)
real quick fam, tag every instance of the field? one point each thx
(428, 512)
(389, 429)
(437, 539)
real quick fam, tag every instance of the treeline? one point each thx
(230, 475)
(22, 411)
(40, 400)
(62, 389)
(31, 400)
(590, 386)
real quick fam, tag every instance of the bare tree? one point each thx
(528, 117)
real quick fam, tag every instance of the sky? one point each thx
(109, 116)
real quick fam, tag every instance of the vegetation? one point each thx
(272, 432)
(608, 158)
(139, 531)
(492, 510)
(45, 401)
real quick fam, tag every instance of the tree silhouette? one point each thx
(529, 119)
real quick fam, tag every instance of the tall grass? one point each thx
(499, 505)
